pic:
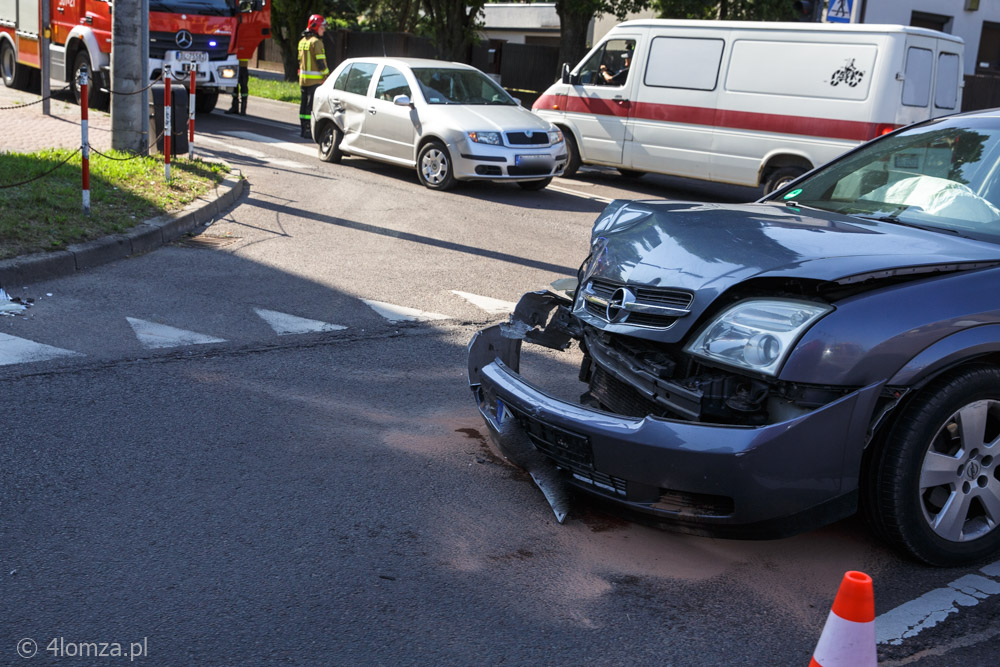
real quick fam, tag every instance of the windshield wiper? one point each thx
(891, 218)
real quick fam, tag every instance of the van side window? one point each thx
(917, 77)
(946, 86)
(359, 78)
(341, 82)
(684, 62)
(609, 65)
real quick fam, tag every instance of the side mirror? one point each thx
(402, 101)
(565, 73)
(518, 100)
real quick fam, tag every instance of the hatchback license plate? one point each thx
(528, 159)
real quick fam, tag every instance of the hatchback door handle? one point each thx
(371, 110)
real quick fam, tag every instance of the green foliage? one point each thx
(726, 10)
(46, 214)
(395, 16)
(575, 17)
(289, 17)
(452, 25)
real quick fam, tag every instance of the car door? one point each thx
(390, 129)
(600, 109)
(350, 103)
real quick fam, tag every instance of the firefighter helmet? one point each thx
(315, 21)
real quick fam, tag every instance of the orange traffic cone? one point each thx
(848, 638)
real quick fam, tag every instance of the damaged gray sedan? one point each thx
(763, 369)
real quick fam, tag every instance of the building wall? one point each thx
(520, 23)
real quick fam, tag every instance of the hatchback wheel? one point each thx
(434, 166)
(329, 143)
(937, 481)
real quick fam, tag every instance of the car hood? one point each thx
(707, 248)
(483, 117)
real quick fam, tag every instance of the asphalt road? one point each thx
(329, 497)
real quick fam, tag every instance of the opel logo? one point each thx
(618, 305)
(972, 472)
(184, 39)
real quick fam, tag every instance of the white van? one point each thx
(754, 104)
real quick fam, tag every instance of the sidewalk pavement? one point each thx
(25, 129)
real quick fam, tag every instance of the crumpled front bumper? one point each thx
(753, 482)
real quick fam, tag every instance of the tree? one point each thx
(575, 17)
(288, 20)
(452, 24)
(393, 16)
(726, 10)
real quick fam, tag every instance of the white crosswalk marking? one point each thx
(487, 303)
(258, 155)
(304, 149)
(15, 350)
(395, 313)
(284, 324)
(153, 335)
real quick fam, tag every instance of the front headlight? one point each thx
(491, 138)
(555, 136)
(756, 334)
(227, 72)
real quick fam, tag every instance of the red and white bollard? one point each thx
(168, 127)
(84, 140)
(191, 116)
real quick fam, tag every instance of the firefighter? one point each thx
(241, 91)
(312, 68)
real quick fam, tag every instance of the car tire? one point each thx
(934, 486)
(781, 177)
(434, 166)
(573, 156)
(15, 75)
(96, 98)
(535, 185)
(630, 173)
(330, 137)
(204, 103)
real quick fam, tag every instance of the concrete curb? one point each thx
(144, 237)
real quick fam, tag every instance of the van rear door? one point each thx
(599, 107)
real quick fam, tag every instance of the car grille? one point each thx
(538, 138)
(654, 296)
(619, 397)
(161, 42)
(571, 452)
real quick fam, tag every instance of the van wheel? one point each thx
(630, 173)
(935, 483)
(535, 185)
(96, 98)
(781, 177)
(434, 166)
(573, 155)
(330, 137)
(14, 74)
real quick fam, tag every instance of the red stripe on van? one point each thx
(722, 118)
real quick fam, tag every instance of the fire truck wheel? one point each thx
(205, 102)
(96, 98)
(15, 75)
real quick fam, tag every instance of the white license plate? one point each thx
(529, 159)
(191, 56)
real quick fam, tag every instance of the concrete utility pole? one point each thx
(128, 117)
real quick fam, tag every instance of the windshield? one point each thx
(943, 175)
(460, 86)
(203, 7)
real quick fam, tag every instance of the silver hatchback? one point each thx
(450, 121)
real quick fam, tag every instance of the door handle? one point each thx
(371, 110)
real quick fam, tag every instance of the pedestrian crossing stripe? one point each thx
(14, 350)
(395, 313)
(284, 324)
(489, 304)
(303, 149)
(153, 335)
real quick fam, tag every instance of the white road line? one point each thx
(15, 350)
(284, 324)
(577, 193)
(304, 149)
(258, 155)
(489, 304)
(153, 335)
(395, 313)
(910, 618)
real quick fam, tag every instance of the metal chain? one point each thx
(141, 90)
(38, 101)
(124, 159)
(40, 176)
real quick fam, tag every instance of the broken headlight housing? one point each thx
(756, 334)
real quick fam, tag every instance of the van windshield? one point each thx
(942, 175)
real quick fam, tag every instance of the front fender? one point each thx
(948, 352)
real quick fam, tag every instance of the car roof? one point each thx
(411, 62)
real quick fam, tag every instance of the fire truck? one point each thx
(207, 35)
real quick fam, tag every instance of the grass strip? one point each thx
(47, 214)
(283, 91)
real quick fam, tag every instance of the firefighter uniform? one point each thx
(242, 90)
(312, 69)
